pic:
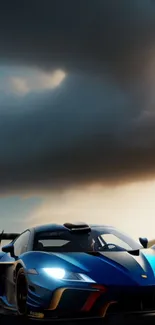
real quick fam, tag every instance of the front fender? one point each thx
(31, 261)
(39, 260)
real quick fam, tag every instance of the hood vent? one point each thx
(135, 252)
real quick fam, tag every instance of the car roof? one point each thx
(49, 227)
(59, 227)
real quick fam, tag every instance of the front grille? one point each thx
(73, 300)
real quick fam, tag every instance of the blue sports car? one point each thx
(76, 271)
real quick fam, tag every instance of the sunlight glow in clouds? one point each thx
(19, 85)
(40, 81)
(35, 81)
(130, 208)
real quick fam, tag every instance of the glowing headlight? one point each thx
(61, 274)
(56, 273)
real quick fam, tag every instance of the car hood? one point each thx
(115, 268)
(108, 268)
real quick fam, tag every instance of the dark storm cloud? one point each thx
(76, 34)
(99, 124)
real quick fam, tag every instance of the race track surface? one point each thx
(15, 320)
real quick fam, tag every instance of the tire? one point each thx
(21, 293)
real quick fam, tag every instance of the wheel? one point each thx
(21, 293)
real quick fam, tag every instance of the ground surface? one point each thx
(14, 320)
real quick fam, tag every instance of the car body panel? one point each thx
(128, 269)
(113, 274)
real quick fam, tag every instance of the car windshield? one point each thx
(99, 239)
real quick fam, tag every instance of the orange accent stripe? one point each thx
(104, 309)
(91, 301)
(56, 298)
(87, 305)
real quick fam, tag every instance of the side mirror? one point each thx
(144, 242)
(9, 249)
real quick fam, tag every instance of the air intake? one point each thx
(77, 227)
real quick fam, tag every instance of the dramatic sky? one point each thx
(77, 113)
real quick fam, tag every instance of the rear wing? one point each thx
(8, 236)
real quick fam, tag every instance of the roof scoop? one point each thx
(77, 227)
